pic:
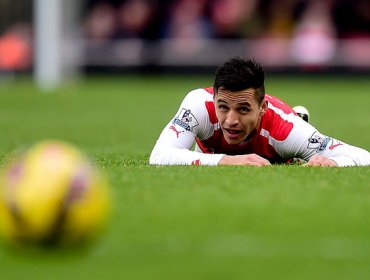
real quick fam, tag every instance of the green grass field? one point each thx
(279, 222)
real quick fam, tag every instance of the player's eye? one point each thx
(223, 107)
(244, 110)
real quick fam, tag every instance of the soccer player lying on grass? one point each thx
(236, 123)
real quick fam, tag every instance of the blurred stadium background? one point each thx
(55, 39)
(283, 222)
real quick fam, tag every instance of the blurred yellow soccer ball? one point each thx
(51, 194)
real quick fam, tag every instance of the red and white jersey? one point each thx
(281, 136)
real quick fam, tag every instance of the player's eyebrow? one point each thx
(240, 104)
(244, 104)
(220, 100)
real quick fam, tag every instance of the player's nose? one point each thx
(232, 118)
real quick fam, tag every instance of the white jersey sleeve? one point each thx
(178, 137)
(305, 140)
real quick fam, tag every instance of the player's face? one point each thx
(239, 113)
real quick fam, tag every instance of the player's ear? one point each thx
(263, 107)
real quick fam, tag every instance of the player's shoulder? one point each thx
(197, 101)
(279, 119)
(277, 104)
(200, 94)
(197, 108)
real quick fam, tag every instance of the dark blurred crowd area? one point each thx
(299, 21)
(225, 19)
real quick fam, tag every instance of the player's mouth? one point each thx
(232, 133)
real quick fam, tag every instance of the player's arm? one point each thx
(338, 153)
(306, 142)
(177, 138)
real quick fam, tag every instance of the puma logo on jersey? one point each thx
(176, 131)
(334, 146)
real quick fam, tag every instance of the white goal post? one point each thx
(56, 48)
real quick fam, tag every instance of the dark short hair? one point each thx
(239, 74)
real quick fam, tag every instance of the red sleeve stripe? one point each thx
(211, 112)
